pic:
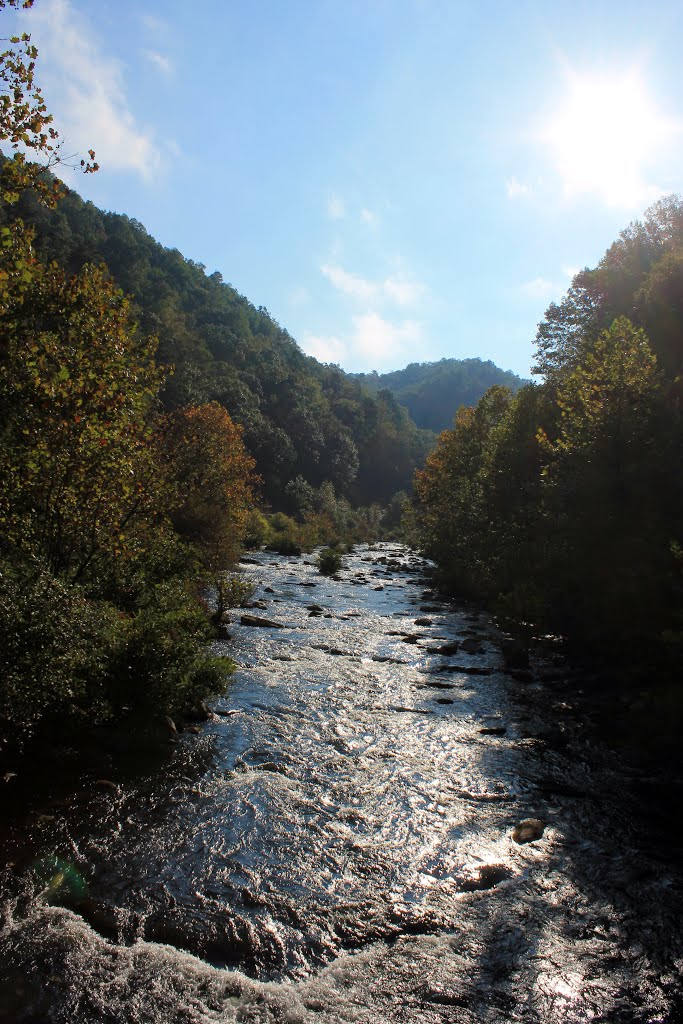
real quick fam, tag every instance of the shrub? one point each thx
(68, 660)
(163, 663)
(56, 649)
(232, 592)
(256, 530)
(329, 562)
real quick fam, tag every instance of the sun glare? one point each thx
(606, 136)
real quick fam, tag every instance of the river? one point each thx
(338, 842)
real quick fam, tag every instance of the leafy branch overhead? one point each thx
(25, 123)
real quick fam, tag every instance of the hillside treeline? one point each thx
(433, 392)
(300, 418)
(562, 505)
(114, 513)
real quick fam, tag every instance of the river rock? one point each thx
(107, 784)
(197, 713)
(515, 654)
(521, 675)
(423, 622)
(471, 646)
(170, 725)
(255, 620)
(493, 730)
(447, 649)
(315, 608)
(528, 831)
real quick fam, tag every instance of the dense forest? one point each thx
(562, 505)
(433, 392)
(300, 418)
(146, 411)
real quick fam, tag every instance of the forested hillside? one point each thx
(563, 504)
(300, 417)
(433, 392)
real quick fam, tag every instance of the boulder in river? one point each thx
(255, 620)
(197, 713)
(447, 649)
(528, 831)
(170, 725)
(515, 654)
(423, 622)
(471, 646)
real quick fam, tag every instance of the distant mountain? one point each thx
(433, 392)
(300, 418)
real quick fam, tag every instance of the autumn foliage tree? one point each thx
(105, 509)
(212, 479)
(78, 387)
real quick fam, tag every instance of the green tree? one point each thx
(77, 387)
(604, 484)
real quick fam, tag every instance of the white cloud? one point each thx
(326, 348)
(516, 189)
(368, 217)
(86, 89)
(158, 60)
(395, 289)
(379, 340)
(350, 284)
(374, 343)
(540, 288)
(335, 207)
(403, 291)
(153, 23)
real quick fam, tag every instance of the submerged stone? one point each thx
(528, 831)
(255, 620)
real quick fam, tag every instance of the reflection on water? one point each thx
(340, 846)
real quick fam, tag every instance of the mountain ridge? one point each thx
(432, 392)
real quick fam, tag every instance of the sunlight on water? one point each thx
(337, 845)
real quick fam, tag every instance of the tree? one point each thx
(77, 387)
(212, 480)
(604, 482)
(25, 123)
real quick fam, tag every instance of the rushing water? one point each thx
(337, 843)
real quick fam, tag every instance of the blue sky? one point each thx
(395, 180)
